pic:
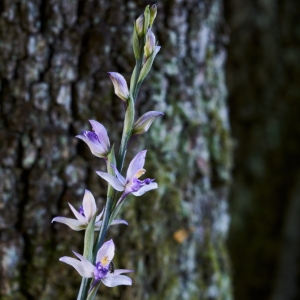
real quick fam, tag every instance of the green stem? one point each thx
(104, 227)
(83, 288)
(112, 195)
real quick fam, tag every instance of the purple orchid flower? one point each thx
(101, 271)
(97, 140)
(131, 184)
(85, 214)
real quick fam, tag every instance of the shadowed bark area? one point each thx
(55, 56)
(264, 87)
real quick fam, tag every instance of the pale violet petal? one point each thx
(102, 134)
(78, 216)
(96, 148)
(78, 265)
(112, 281)
(107, 249)
(136, 164)
(72, 223)
(145, 188)
(115, 182)
(119, 176)
(116, 222)
(87, 264)
(89, 205)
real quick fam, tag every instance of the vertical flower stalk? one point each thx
(95, 265)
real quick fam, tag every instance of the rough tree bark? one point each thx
(54, 59)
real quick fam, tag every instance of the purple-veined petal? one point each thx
(89, 205)
(78, 216)
(144, 122)
(145, 188)
(112, 281)
(136, 164)
(81, 268)
(119, 176)
(72, 223)
(96, 148)
(107, 249)
(113, 181)
(102, 134)
(116, 222)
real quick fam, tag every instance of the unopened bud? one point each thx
(139, 25)
(120, 85)
(153, 13)
(150, 43)
(144, 122)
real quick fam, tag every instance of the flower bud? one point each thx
(150, 43)
(139, 25)
(144, 122)
(120, 85)
(153, 12)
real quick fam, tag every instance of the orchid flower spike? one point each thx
(102, 270)
(97, 140)
(131, 184)
(85, 214)
(120, 85)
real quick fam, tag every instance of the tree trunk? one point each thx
(55, 58)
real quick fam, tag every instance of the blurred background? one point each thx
(224, 223)
(263, 83)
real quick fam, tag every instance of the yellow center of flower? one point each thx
(104, 261)
(139, 173)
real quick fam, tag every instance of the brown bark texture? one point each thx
(54, 57)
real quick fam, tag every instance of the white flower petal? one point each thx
(107, 249)
(88, 265)
(145, 188)
(119, 176)
(81, 268)
(115, 182)
(89, 205)
(79, 216)
(136, 164)
(112, 281)
(116, 222)
(72, 223)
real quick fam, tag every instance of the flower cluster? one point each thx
(96, 264)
